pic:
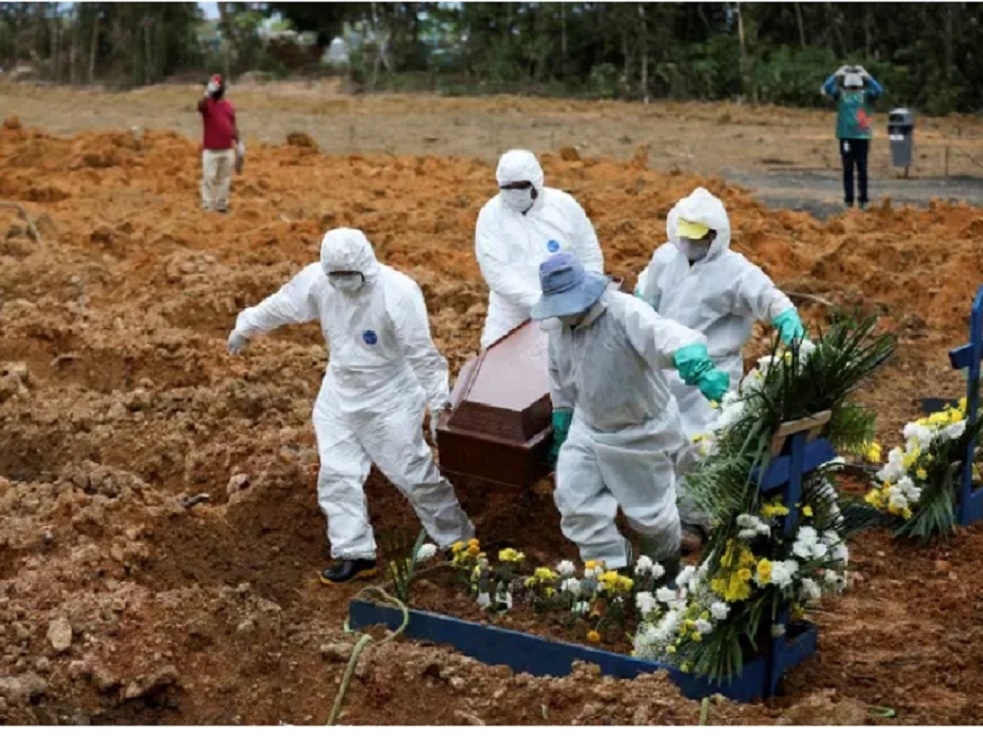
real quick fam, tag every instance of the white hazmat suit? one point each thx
(611, 370)
(383, 371)
(721, 296)
(515, 233)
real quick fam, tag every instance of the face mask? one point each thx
(347, 283)
(519, 200)
(572, 321)
(694, 250)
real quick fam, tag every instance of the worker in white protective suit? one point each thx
(383, 371)
(615, 421)
(696, 280)
(518, 229)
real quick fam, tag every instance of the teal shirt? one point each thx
(853, 108)
(853, 115)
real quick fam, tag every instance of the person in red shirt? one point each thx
(221, 149)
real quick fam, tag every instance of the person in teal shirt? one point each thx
(854, 90)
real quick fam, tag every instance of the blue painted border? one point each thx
(537, 656)
(969, 507)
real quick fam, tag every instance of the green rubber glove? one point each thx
(692, 362)
(697, 369)
(562, 418)
(789, 326)
(714, 384)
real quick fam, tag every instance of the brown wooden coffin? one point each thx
(500, 427)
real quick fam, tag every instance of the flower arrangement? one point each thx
(755, 564)
(917, 486)
(601, 597)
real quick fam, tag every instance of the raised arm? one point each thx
(757, 296)
(294, 303)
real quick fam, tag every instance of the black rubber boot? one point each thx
(343, 571)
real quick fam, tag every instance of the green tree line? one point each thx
(927, 55)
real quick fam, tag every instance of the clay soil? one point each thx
(119, 604)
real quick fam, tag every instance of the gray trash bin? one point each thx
(901, 134)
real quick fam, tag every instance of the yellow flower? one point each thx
(590, 565)
(807, 510)
(745, 574)
(671, 649)
(545, 574)
(594, 636)
(530, 582)
(684, 667)
(511, 555)
(906, 513)
(764, 570)
(696, 637)
(875, 498)
(872, 452)
(457, 547)
(773, 509)
(549, 591)
(922, 474)
(473, 543)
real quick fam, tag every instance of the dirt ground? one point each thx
(119, 605)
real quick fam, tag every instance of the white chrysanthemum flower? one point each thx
(571, 585)
(807, 534)
(719, 610)
(685, 575)
(484, 599)
(777, 630)
(747, 520)
(590, 573)
(426, 552)
(644, 602)
(746, 534)
(643, 565)
(811, 590)
(566, 568)
(665, 595)
(840, 554)
(580, 608)
(783, 572)
(819, 551)
(955, 430)
(704, 627)
(658, 571)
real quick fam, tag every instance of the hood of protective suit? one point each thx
(702, 207)
(347, 249)
(672, 223)
(519, 166)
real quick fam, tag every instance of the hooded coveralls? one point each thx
(611, 370)
(720, 296)
(511, 245)
(383, 370)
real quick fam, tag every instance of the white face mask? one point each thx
(694, 250)
(347, 283)
(519, 200)
(572, 321)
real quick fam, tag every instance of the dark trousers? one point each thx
(853, 152)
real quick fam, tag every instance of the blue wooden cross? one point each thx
(969, 501)
(785, 473)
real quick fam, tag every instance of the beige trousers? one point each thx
(216, 178)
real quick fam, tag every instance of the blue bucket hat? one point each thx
(567, 288)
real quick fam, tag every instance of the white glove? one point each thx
(237, 341)
(841, 71)
(211, 89)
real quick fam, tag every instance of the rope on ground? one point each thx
(362, 643)
(31, 228)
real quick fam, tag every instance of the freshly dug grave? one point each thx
(118, 402)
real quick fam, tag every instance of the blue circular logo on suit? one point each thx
(553, 246)
(370, 337)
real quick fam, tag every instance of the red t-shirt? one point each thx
(219, 118)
